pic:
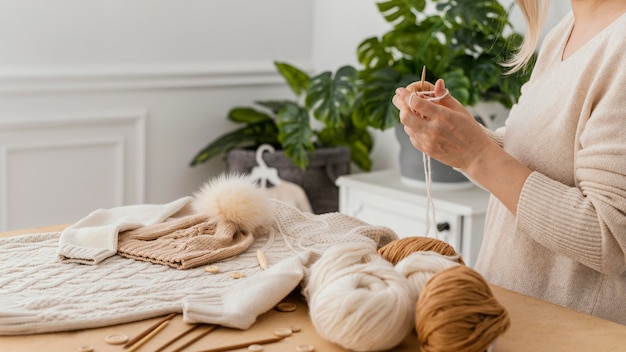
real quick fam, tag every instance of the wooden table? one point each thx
(535, 326)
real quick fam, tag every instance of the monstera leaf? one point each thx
(401, 12)
(372, 54)
(328, 97)
(297, 79)
(295, 133)
(259, 129)
(487, 16)
(357, 139)
(374, 107)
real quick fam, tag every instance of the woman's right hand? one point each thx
(441, 127)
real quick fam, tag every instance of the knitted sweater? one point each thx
(39, 293)
(567, 243)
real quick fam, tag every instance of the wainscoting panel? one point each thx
(53, 168)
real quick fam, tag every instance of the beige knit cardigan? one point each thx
(567, 244)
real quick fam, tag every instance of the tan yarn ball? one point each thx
(457, 311)
(399, 249)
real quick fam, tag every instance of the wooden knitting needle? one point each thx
(423, 78)
(192, 341)
(149, 330)
(148, 337)
(180, 336)
(245, 344)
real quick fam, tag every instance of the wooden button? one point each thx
(295, 328)
(282, 332)
(255, 348)
(286, 307)
(305, 348)
(213, 269)
(116, 339)
(237, 275)
(85, 349)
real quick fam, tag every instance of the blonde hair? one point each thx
(535, 13)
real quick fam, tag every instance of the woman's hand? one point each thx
(441, 128)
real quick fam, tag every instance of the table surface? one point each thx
(535, 326)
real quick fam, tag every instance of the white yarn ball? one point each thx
(419, 267)
(357, 300)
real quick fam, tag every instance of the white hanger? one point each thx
(262, 172)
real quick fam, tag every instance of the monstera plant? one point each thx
(462, 41)
(288, 125)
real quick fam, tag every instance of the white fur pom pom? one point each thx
(234, 198)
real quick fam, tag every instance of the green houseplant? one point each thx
(462, 42)
(287, 125)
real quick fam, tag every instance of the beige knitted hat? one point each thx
(228, 212)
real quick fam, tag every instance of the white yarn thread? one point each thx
(430, 205)
(429, 95)
(358, 300)
(419, 267)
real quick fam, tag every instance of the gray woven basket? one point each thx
(317, 180)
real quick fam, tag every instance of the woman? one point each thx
(556, 222)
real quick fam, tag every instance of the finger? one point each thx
(430, 108)
(398, 99)
(411, 119)
(449, 101)
(440, 87)
(402, 98)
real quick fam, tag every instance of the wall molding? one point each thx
(116, 143)
(90, 119)
(139, 77)
(121, 132)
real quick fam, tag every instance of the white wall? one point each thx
(104, 102)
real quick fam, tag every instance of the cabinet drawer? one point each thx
(406, 219)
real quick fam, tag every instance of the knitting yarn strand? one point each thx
(399, 249)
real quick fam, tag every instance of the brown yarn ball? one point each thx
(457, 311)
(399, 249)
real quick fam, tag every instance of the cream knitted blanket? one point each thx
(40, 294)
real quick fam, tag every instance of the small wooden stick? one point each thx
(149, 336)
(260, 256)
(244, 344)
(180, 336)
(148, 330)
(192, 341)
(423, 78)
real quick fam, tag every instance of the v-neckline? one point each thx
(592, 39)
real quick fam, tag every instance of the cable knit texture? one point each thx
(567, 244)
(42, 294)
(184, 243)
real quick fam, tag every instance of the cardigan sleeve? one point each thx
(240, 305)
(496, 136)
(586, 222)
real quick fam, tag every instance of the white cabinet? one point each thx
(381, 198)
